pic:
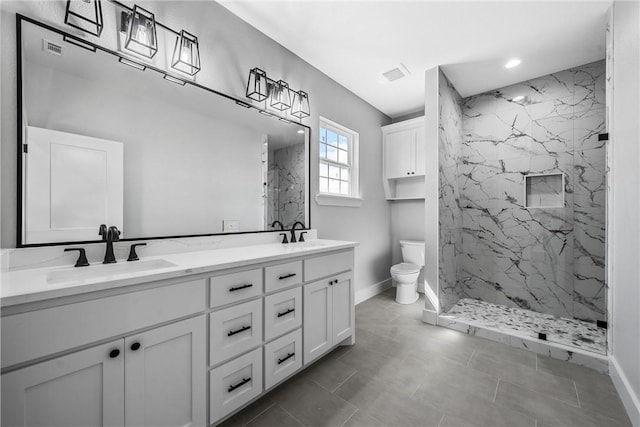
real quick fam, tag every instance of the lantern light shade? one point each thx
(257, 86)
(186, 54)
(280, 96)
(300, 108)
(141, 33)
(85, 15)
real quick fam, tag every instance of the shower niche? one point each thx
(544, 190)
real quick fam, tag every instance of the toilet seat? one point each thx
(405, 268)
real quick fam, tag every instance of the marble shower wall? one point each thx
(286, 185)
(549, 260)
(450, 212)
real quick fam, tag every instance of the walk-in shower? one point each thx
(522, 206)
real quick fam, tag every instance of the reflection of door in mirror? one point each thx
(73, 183)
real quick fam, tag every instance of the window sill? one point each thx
(333, 200)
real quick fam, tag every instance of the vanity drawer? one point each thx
(234, 384)
(35, 334)
(282, 312)
(282, 276)
(235, 330)
(282, 358)
(235, 287)
(326, 265)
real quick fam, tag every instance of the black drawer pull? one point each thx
(284, 313)
(286, 276)
(284, 359)
(244, 328)
(240, 384)
(237, 288)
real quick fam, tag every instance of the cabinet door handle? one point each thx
(114, 353)
(237, 288)
(287, 357)
(286, 276)
(237, 331)
(284, 313)
(135, 346)
(240, 384)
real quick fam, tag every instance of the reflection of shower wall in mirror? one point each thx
(288, 184)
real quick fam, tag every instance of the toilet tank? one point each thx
(412, 251)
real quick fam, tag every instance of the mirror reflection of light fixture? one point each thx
(300, 108)
(141, 33)
(280, 96)
(85, 15)
(186, 54)
(175, 80)
(132, 64)
(257, 86)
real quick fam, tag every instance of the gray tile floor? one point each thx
(403, 372)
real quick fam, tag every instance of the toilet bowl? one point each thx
(406, 273)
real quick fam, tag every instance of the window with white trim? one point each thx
(338, 160)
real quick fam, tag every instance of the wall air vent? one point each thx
(396, 73)
(51, 47)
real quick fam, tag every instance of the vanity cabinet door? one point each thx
(328, 314)
(317, 319)
(165, 382)
(85, 388)
(343, 314)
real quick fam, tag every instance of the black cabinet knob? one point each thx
(114, 353)
(135, 346)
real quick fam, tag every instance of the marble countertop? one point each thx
(32, 285)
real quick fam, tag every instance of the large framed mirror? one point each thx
(102, 142)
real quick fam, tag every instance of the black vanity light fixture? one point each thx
(300, 108)
(260, 88)
(257, 86)
(141, 33)
(280, 96)
(85, 15)
(186, 54)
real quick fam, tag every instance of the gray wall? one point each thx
(624, 214)
(229, 49)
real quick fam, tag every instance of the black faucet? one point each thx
(109, 235)
(293, 231)
(277, 222)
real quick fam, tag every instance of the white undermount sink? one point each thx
(103, 271)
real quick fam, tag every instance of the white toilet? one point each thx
(406, 273)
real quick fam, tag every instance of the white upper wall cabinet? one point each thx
(404, 159)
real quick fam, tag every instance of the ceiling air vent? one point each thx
(51, 47)
(396, 73)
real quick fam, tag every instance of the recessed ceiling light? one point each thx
(512, 63)
(300, 131)
(518, 98)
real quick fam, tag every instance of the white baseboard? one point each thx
(430, 317)
(629, 399)
(372, 291)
